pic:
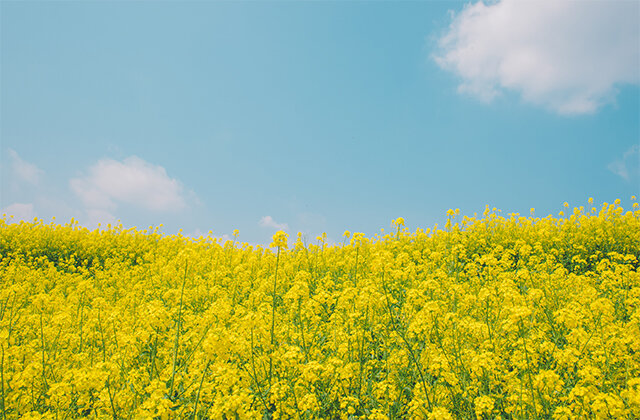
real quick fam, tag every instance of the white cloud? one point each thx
(268, 222)
(567, 56)
(627, 167)
(24, 171)
(132, 181)
(20, 211)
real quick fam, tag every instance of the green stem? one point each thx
(355, 270)
(81, 319)
(361, 356)
(406, 342)
(175, 347)
(4, 413)
(104, 359)
(187, 359)
(526, 354)
(304, 342)
(11, 314)
(44, 366)
(255, 375)
(152, 357)
(195, 408)
(273, 315)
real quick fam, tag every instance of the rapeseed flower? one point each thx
(498, 316)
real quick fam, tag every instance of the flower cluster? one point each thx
(492, 317)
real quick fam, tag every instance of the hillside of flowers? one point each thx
(486, 317)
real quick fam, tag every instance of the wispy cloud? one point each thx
(268, 222)
(567, 56)
(24, 171)
(628, 166)
(133, 181)
(20, 211)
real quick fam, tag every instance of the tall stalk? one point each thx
(195, 407)
(104, 359)
(406, 342)
(4, 413)
(175, 347)
(44, 366)
(273, 315)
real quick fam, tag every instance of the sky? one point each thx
(314, 117)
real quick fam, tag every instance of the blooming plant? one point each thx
(492, 317)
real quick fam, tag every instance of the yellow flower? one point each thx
(484, 405)
(440, 413)
(280, 239)
(150, 325)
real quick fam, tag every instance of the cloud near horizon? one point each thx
(628, 166)
(133, 181)
(20, 211)
(23, 170)
(268, 222)
(567, 56)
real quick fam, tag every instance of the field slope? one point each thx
(491, 317)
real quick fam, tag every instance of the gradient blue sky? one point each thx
(321, 116)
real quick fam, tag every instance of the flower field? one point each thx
(487, 317)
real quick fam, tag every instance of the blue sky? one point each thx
(314, 116)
